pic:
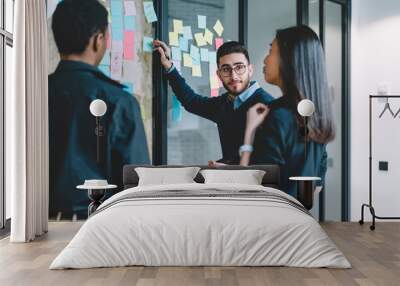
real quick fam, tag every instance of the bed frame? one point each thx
(270, 179)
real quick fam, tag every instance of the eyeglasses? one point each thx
(227, 70)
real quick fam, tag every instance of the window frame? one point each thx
(6, 39)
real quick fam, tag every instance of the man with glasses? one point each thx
(229, 110)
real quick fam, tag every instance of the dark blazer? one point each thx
(72, 87)
(279, 141)
(231, 123)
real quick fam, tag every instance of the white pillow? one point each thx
(164, 176)
(248, 177)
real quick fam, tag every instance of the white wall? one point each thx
(375, 59)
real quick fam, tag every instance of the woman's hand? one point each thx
(256, 116)
(215, 164)
(165, 53)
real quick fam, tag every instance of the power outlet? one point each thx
(383, 166)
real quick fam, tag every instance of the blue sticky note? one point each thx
(149, 11)
(128, 87)
(183, 44)
(204, 54)
(106, 59)
(176, 109)
(202, 21)
(117, 27)
(148, 44)
(195, 53)
(212, 57)
(130, 23)
(116, 7)
(105, 69)
(176, 54)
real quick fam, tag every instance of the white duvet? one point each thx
(185, 231)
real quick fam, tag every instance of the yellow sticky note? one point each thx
(218, 28)
(208, 36)
(173, 39)
(187, 60)
(196, 70)
(213, 82)
(178, 26)
(200, 39)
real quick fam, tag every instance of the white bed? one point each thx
(223, 225)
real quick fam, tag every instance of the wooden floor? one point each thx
(374, 255)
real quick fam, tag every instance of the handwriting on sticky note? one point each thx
(208, 36)
(130, 8)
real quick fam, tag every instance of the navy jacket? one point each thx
(279, 141)
(72, 87)
(231, 123)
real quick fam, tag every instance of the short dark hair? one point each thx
(230, 48)
(75, 21)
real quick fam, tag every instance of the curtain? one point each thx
(27, 124)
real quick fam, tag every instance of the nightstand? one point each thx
(305, 190)
(96, 195)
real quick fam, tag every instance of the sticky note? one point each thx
(116, 8)
(148, 44)
(176, 109)
(218, 42)
(187, 60)
(117, 27)
(178, 26)
(117, 46)
(200, 39)
(106, 58)
(183, 44)
(218, 28)
(129, 45)
(116, 65)
(194, 52)
(130, 23)
(128, 87)
(149, 11)
(208, 36)
(130, 8)
(105, 69)
(173, 39)
(196, 70)
(187, 32)
(214, 82)
(204, 54)
(212, 57)
(176, 54)
(201, 21)
(214, 92)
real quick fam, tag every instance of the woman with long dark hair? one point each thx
(295, 64)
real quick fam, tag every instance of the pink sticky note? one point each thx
(214, 92)
(108, 41)
(129, 44)
(218, 42)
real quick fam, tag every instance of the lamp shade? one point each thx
(305, 107)
(98, 107)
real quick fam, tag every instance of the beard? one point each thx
(241, 85)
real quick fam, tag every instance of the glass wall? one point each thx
(264, 18)
(333, 54)
(192, 139)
